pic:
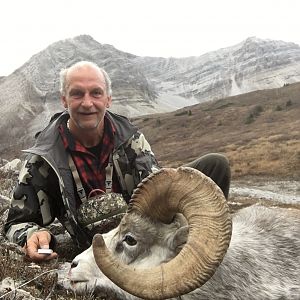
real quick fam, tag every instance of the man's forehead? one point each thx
(84, 70)
(85, 73)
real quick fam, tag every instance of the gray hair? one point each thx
(64, 72)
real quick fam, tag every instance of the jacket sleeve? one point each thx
(30, 208)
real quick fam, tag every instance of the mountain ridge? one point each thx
(141, 85)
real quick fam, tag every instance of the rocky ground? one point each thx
(20, 279)
(266, 191)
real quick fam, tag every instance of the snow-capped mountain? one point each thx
(141, 85)
(253, 64)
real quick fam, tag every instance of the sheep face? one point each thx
(136, 241)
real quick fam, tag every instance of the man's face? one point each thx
(86, 98)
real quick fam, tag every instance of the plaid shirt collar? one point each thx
(107, 143)
(91, 168)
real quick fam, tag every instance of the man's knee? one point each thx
(209, 161)
(216, 166)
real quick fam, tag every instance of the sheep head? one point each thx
(159, 197)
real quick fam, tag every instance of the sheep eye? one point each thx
(129, 240)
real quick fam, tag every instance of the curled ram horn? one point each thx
(160, 196)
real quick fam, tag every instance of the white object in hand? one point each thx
(45, 251)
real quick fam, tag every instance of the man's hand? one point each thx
(39, 239)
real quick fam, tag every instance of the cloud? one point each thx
(151, 28)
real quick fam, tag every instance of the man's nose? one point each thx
(87, 101)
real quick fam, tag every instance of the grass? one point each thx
(265, 156)
(22, 272)
(40, 280)
(268, 145)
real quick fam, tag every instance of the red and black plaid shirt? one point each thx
(91, 163)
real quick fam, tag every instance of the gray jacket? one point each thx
(46, 189)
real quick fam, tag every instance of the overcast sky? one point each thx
(143, 27)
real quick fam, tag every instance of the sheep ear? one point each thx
(179, 239)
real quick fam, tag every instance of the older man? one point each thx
(93, 138)
(83, 149)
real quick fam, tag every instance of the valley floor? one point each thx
(266, 191)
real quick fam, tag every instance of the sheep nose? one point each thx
(74, 264)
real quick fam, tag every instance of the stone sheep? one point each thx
(178, 239)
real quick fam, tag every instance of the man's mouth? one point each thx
(87, 113)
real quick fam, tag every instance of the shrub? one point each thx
(253, 114)
(250, 119)
(257, 110)
(158, 122)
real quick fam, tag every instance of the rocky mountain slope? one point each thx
(258, 131)
(254, 64)
(141, 85)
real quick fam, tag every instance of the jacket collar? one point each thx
(49, 138)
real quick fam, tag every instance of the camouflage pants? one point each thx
(215, 166)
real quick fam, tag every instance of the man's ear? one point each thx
(109, 101)
(64, 101)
